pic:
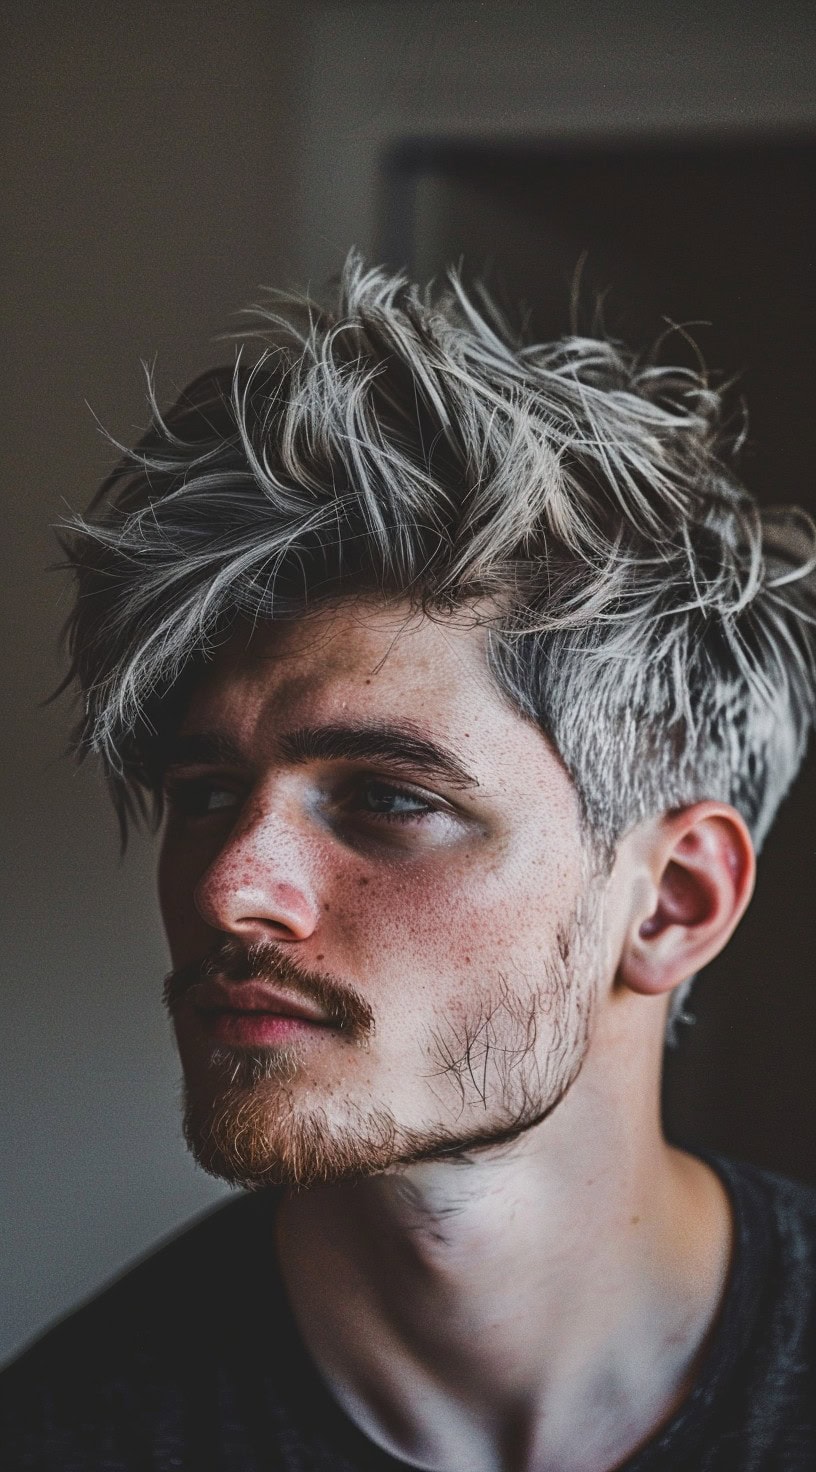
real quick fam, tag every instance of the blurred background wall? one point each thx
(161, 162)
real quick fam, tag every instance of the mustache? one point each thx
(343, 1005)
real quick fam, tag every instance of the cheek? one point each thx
(437, 935)
(177, 877)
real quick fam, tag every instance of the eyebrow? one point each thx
(400, 744)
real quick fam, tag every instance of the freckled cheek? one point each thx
(445, 938)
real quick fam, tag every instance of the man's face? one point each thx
(374, 886)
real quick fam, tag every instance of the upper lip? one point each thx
(254, 996)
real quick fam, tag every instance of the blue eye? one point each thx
(394, 804)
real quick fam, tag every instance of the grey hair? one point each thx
(654, 622)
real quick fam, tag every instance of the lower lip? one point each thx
(257, 1029)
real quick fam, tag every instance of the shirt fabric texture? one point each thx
(192, 1361)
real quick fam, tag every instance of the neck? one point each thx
(468, 1312)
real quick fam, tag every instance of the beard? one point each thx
(495, 1071)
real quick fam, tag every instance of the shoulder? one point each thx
(152, 1328)
(776, 1272)
(160, 1293)
(776, 1230)
(788, 1207)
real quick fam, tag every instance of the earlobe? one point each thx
(701, 866)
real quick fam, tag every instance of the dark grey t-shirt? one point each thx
(192, 1361)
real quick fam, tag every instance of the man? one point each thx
(467, 680)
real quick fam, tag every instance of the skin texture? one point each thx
(499, 1262)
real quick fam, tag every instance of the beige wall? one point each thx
(147, 191)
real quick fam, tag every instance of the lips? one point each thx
(247, 998)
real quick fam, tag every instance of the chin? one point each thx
(264, 1135)
(271, 1134)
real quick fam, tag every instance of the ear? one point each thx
(700, 870)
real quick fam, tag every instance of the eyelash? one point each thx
(188, 796)
(425, 808)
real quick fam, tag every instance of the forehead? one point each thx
(364, 661)
(358, 657)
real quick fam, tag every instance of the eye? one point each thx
(385, 802)
(200, 797)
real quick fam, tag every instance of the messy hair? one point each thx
(653, 621)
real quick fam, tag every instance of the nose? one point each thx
(260, 885)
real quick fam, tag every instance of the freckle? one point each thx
(635, 1220)
(326, 905)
